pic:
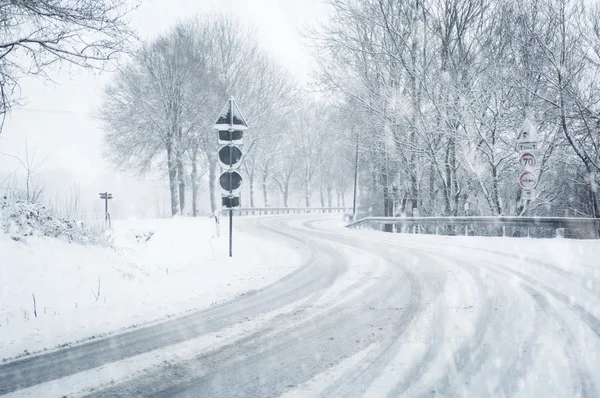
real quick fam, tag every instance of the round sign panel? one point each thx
(230, 156)
(528, 180)
(230, 182)
(527, 160)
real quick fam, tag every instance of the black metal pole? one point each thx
(230, 232)
(106, 206)
(355, 181)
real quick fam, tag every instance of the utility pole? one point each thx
(355, 179)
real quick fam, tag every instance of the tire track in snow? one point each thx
(582, 379)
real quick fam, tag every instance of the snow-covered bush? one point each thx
(21, 218)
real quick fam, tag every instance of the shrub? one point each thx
(21, 218)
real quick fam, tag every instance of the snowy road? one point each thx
(368, 314)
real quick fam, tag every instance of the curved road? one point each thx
(369, 314)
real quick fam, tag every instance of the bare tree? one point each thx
(39, 33)
(33, 188)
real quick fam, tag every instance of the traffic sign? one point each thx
(528, 180)
(231, 125)
(527, 146)
(527, 160)
(230, 201)
(230, 183)
(230, 156)
(528, 194)
(231, 136)
(527, 133)
(231, 118)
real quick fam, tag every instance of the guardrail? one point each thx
(260, 211)
(557, 223)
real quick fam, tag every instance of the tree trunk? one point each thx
(286, 195)
(322, 195)
(448, 181)
(181, 180)
(496, 192)
(329, 196)
(251, 182)
(388, 206)
(194, 177)
(265, 189)
(171, 164)
(307, 192)
(593, 191)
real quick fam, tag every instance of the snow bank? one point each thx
(156, 268)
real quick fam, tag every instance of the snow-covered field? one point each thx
(154, 269)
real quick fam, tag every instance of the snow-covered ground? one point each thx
(154, 269)
(368, 314)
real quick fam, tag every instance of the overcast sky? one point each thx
(56, 117)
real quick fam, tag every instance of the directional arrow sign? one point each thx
(528, 180)
(230, 182)
(231, 117)
(527, 160)
(230, 156)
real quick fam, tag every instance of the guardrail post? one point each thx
(437, 229)
(560, 232)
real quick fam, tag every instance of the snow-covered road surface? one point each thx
(368, 314)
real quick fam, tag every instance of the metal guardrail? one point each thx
(559, 224)
(504, 221)
(261, 211)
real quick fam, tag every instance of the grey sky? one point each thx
(56, 118)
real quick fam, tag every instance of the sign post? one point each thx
(106, 196)
(527, 143)
(231, 126)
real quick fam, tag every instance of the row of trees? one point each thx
(438, 89)
(159, 110)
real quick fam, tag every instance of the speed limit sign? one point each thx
(527, 160)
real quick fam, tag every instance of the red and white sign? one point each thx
(527, 160)
(528, 133)
(528, 180)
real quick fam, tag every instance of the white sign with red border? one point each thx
(528, 180)
(528, 161)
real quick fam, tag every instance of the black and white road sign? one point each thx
(231, 118)
(527, 146)
(231, 136)
(230, 183)
(528, 180)
(230, 201)
(527, 160)
(230, 157)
